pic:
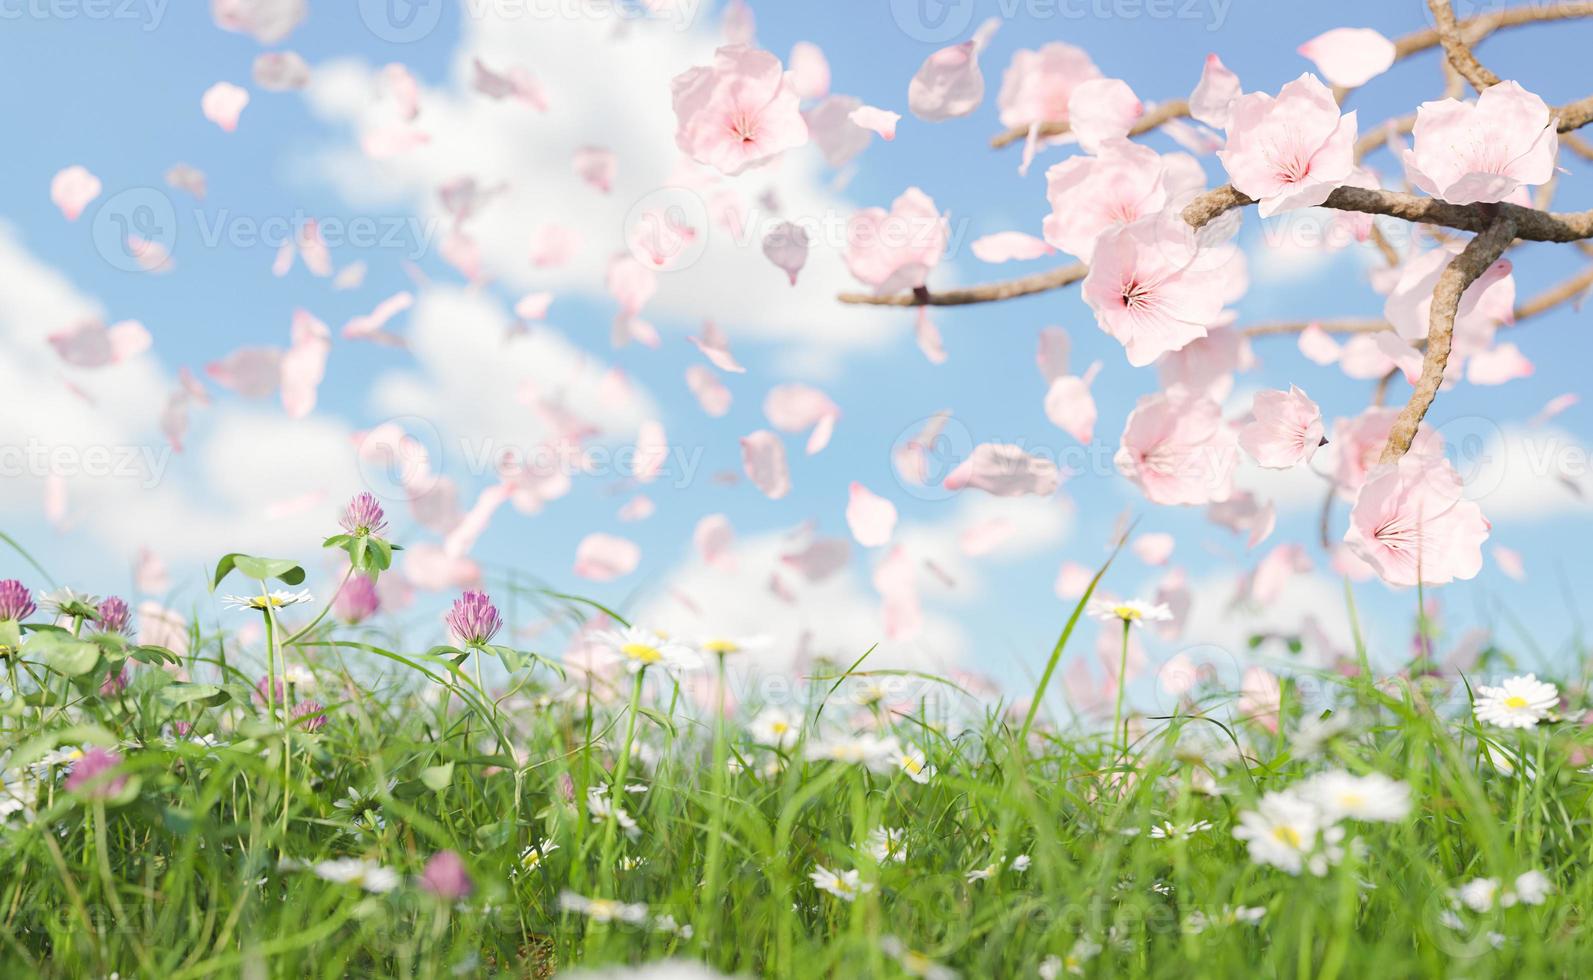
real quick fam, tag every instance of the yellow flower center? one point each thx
(912, 765)
(641, 651)
(1515, 701)
(1127, 613)
(1288, 835)
(779, 727)
(722, 646)
(602, 908)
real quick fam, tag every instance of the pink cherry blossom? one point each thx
(1090, 195)
(715, 540)
(1072, 580)
(1482, 152)
(281, 71)
(1502, 363)
(949, 84)
(1148, 290)
(604, 557)
(871, 517)
(1290, 151)
(1207, 366)
(798, 407)
(1178, 449)
(1102, 109)
(1214, 97)
(597, 167)
(72, 189)
(739, 113)
(894, 250)
(810, 71)
(223, 103)
(1285, 430)
(763, 460)
(1004, 471)
(1412, 523)
(1038, 84)
(1357, 445)
(1487, 302)
(1350, 56)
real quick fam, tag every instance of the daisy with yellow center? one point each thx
(1518, 702)
(1130, 612)
(638, 648)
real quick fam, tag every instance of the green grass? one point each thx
(191, 869)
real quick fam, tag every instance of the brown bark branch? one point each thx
(1152, 119)
(1328, 326)
(1565, 292)
(1457, 50)
(1467, 267)
(987, 293)
(1531, 225)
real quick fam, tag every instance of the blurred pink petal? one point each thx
(871, 518)
(72, 189)
(1350, 56)
(604, 558)
(1004, 471)
(763, 460)
(1010, 246)
(223, 103)
(715, 541)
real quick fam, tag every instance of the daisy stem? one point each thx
(710, 905)
(1118, 727)
(617, 787)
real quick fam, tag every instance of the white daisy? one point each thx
(1129, 611)
(1167, 830)
(876, 753)
(1519, 702)
(603, 909)
(1290, 832)
(351, 871)
(1370, 797)
(887, 844)
(638, 648)
(1198, 921)
(914, 963)
(776, 728)
(601, 808)
(275, 600)
(532, 857)
(912, 762)
(1082, 952)
(724, 646)
(844, 885)
(1483, 894)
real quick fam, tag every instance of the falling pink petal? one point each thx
(896, 578)
(462, 539)
(795, 407)
(1509, 562)
(1010, 246)
(151, 256)
(1153, 549)
(1102, 109)
(1052, 355)
(553, 246)
(253, 372)
(604, 558)
(72, 189)
(638, 508)
(55, 500)
(1502, 363)
(403, 88)
(986, 537)
(715, 541)
(809, 71)
(876, 120)
(281, 71)
(516, 83)
(370, 326)
(304, 365)
(1319, 346)
(911, 458)
(716, 347)
(652, 451)
(763, 460)
(1213, 99)
(150, 576)
(387, 142)
(1350, 56)
(1070, 406)
(533, 307)
(711, 393)
(283, 263)
(1004, 471)
(949, 84)
(430, 569)
(223, 103)
(312, 248)
(1553, 407)
(928, 337)
(94, 345)
(182, 177)
(597, 167)
(820, 559)
(267, 21)
(1274, 571)
(872, 518)
(786, 246)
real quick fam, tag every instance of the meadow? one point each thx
(386, 811)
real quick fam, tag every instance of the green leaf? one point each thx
(154, 655)
(209, 695)
(438, 778)
(63, 653)
(260, 569)
(10, 634)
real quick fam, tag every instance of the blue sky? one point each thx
(120, 95)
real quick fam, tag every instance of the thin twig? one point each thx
(1467, 267)
(1457, 50)
(986, 293)
(1153, 118)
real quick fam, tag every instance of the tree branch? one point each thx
(1531, 225)
(1457, 50)
(1153, 118)
(987, 293)
(1467, 267)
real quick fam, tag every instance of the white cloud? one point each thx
(1521, 474)
(606, 88)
